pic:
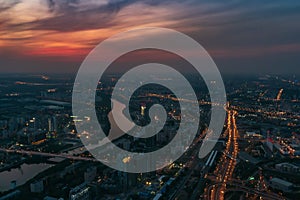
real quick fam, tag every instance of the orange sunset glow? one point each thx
(65, 31)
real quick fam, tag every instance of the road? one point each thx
(238, 187)
(226, 164)
(224, 181)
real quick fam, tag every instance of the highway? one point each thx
(238, 187)
(263, 111)
(223, 174)
(226, 164)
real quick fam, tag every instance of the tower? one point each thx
(143, 108)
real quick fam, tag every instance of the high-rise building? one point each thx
(90, 174)
(52, 127)
(52, 124)
(80, 192)
(37, 186)
(32, 124)
(143, 108)
(127, 180)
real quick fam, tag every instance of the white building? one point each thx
(287, 167)
(280, 184)
(37, 186)
(81, 192)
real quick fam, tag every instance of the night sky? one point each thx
(243, 37)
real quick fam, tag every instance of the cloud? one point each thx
(4, 4)
(232, 30)
(74, 15)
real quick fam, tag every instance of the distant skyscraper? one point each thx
(52, 124)
(32, 123)
(52, 127)
(49, 125)
(143, 108)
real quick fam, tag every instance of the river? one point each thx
(21, 175)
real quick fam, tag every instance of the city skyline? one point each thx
(256, 156)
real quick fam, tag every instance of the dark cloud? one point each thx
(5, 5)
(246, 29)
(51, 4)
(76, 15)
(246, 24)
(85, 20)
